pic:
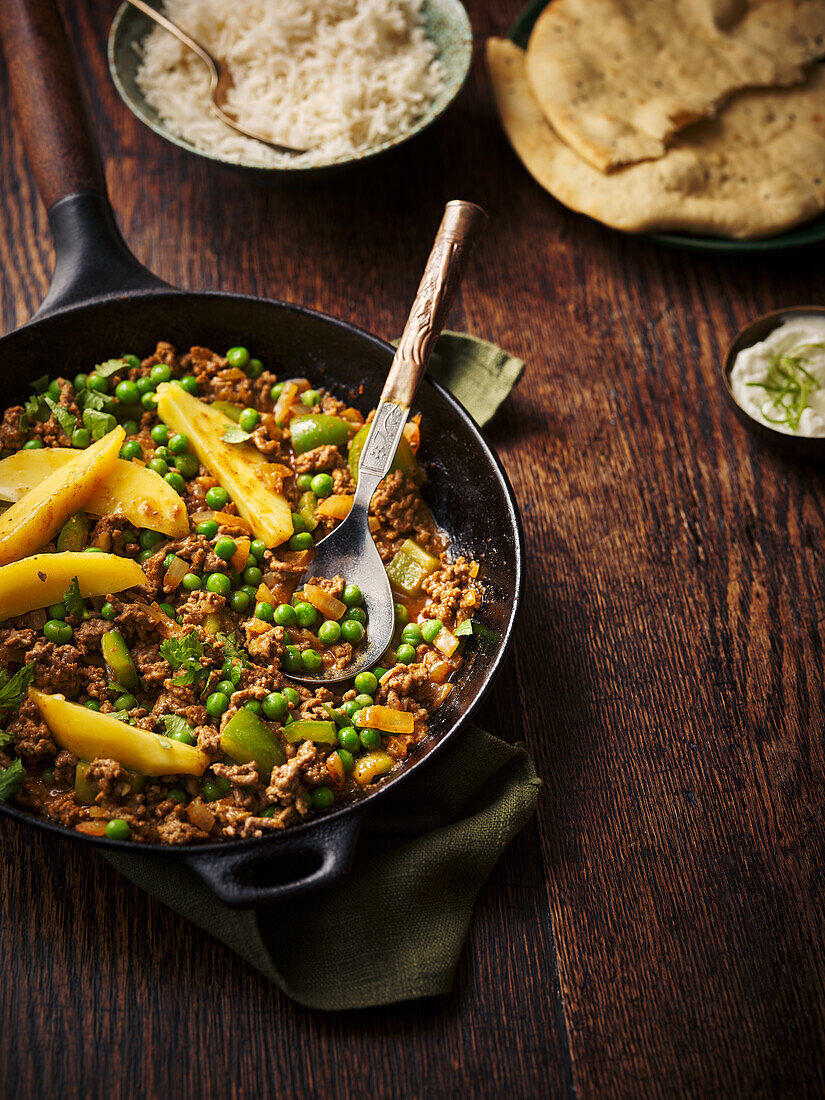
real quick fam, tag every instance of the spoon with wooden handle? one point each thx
(349, 550)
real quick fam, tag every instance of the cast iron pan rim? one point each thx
(363, 804)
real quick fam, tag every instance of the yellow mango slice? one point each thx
(90, 735)
(135, 492)
(40, 513)
(42, 579)
(239, 467)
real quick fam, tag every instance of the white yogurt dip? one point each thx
(789, 358)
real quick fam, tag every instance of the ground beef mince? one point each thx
(200, 653)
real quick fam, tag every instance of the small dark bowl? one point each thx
(797, 446)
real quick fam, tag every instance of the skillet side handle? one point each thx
(92, 258)
(279, 868)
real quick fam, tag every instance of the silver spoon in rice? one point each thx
(220, 78)
(349, 550)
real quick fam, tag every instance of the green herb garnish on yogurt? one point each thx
(789, 384)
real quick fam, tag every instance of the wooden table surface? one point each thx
(657, 929)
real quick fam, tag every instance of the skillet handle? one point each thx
(284, 866)
(92, 258)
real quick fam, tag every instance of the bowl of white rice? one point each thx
(344, 79)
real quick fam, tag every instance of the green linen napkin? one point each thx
(421, 858)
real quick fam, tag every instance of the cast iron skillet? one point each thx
(103, 302)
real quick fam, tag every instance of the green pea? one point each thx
(251, 591)
(405, 654)
(190, 383)
(226, 548)
(217, 498)
(347, 759)
(310, 398)
(174, 479)
(291, 695)
(275, 706)
(33, 445)
(370, 739)
(352, 596)
(411, 634)
(164, 453)
(131, 427)
(131, 449)
(209, 528)
(176, 795)
(145, 385)
(57, 632)
(148, 539)
(284, 614)
(402, 616)
(167, 609)
(257, 549)
(211, 791)
(379, 673)
(352, 632)
(264, 611)
(366, 682)
(348, 738)
(92, 705)
(127, 701)
(132, 362)
(356, 615)
(431, 629)
(275, 391)
(304, 482)
(322, 485)
(118, 829)
(237, 357)
(80, 381)
(148, 402)
(145, 555)
(239, 601)
(217, 704)
(305, 615)
(218, 583)
(252, 574)
(302, 541)
(54, 389)
(81, 437)
(311, 660)
(185, 736)
(187, 465)
(127, 393)
(179, 443)
(159, 466)
(291, 659)
(298, 523)
(364, 700)
(57, 611)
(249, 419)
(191, 582)
(253, 705)
(329, 632)
(98, 384)
(322, 798)
(160, 434)
(226, 687)
(47, 776)
(160, 373)
(255, 368)
(108, 612)
(350, 708)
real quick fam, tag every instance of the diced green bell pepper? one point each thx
(229, 410)
(410, 566)
(73, 534)
(246, 737)
(83, 789)
(117, 657)
(304, 729)
(306, 509)
(317, 430)
(404, 459)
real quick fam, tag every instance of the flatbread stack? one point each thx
(704, 116)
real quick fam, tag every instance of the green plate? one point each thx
(810, 233)
(448, 25)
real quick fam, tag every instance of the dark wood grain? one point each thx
(657, 931)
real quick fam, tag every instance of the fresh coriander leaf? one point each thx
(110, 367)
(230, 647)
(31, 411)
(463, 629)
(11, 779)
(6, 739)
(98, 402)
(184, 654)
(66, 420)
(176, 725)
(98, 423)
(13, 690)
(41, 384)
(234, 434)
(73, 600)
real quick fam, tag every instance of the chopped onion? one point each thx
(175, 574)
